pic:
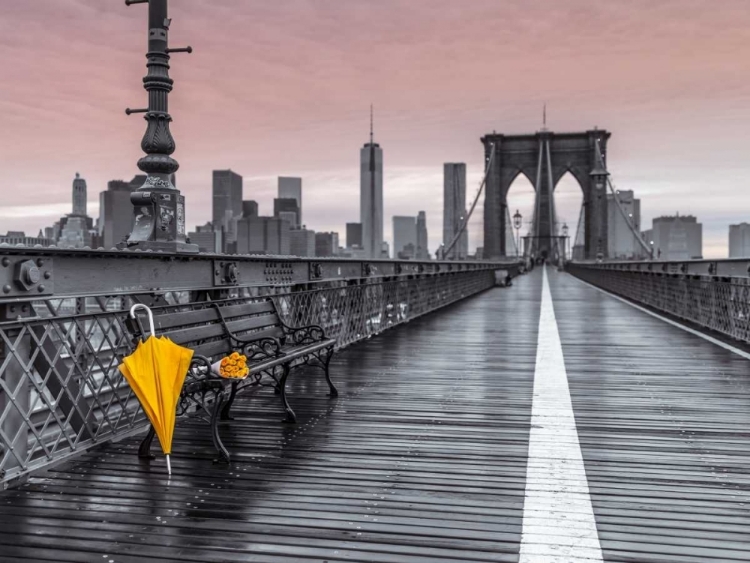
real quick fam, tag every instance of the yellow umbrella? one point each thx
(156, 372)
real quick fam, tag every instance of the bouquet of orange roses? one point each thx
(233, 366)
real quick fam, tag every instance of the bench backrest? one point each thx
(203, 331)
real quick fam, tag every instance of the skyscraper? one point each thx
(677, 237)
(288, 209)
(423, 252)
(227, 204)
(454, 209)
(263, 235)
(302, 242)
(326, 244)
(621, 239)
(207, 239)
(79, 196)
(371, 196)
(291, 188)
(249, 208)
(404, 235)
(739, 240)
(354, 235)
(116, 211)
(77, 229)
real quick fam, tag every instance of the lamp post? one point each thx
(565, 241)
(159, 208)
(517, 221)
(599, 179)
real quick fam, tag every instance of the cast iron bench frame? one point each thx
(251, 326)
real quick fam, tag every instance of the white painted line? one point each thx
(558, 519)
(669, 321)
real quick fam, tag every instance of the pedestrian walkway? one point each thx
(452, 436)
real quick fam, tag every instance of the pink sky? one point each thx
(283, 88)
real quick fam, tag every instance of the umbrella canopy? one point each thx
(156, 372)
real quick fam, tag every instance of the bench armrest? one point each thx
(200, 368)
(260, 349)
(304, 335)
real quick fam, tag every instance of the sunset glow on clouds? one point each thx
(283, 88)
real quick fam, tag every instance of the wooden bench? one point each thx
(216, 329)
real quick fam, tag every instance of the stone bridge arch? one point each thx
(545, 157)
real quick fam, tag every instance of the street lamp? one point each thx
(517, 222)
(159, 208)
(599, 180)
(565, 241)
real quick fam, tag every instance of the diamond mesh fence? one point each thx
(61, 391)
(717, 303)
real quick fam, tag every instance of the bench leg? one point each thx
(218, 444)
(290, 416)
(144, 451)
(333, 391)
(228, 405)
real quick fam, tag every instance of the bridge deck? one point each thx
(424, 456)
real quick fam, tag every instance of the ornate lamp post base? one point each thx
(159, 218)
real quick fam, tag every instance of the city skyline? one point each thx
(672, 163)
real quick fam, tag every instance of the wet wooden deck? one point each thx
(423, 457)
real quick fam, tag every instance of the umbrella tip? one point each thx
(169, 465)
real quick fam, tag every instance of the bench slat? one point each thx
(166, 321)
(223, 347)
(202, 332)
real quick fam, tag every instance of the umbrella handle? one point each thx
(150, 316)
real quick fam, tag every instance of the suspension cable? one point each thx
(636, 233)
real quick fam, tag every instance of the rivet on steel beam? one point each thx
(6, 261)
(6, 288)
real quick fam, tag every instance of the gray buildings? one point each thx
(116, 211)
(207, 239)
(288, 210)
(404, 235)
(677, 237)
(371, 198)
(263, 235)
(354, 235)
(227, 205)
(739, 240)
(454, 209)
(326, 244)
(14, 238)
(302, 242)
(622, 241)
(291, 188)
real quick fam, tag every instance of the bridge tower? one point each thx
(544, 157)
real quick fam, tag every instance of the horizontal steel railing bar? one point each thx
(724, 267)
(719, 303)
(84, 272)
(61, 392)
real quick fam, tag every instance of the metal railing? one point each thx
(714, 294)
(63, 332)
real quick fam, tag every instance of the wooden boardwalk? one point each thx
(423, 457)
